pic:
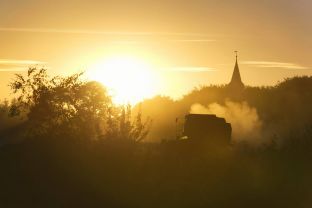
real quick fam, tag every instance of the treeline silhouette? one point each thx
(65, 144)
(284, 109)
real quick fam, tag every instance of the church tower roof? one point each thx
(236, 80)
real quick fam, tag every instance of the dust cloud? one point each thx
(246, 125)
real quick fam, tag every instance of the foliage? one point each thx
(67, 106)
(6, 121)
(115, 174)
(122, 125)
(283, 109)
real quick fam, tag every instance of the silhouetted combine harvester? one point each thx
(209, 129)
(201, 133)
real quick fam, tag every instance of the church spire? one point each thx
(236, 80)
(236, 53)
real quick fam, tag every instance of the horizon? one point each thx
(186, 45)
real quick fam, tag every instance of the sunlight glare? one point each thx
(129, 79)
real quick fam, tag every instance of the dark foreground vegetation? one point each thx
(65, 144)
(124, 174)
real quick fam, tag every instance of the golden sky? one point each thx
(188, 43)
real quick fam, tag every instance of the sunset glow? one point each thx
(165, 103)
(129, 79)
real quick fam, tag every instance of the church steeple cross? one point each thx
(236, 53)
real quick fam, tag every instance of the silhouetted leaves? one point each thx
(67, 106)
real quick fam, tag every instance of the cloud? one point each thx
(52, 30)
(269, 64)
(195, 40)
(97, 32)
(192, 69)
(177, 37)
(18, 65)
(130, 42)
(126, 42)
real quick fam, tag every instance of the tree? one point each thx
(59, 104)
(67, 106)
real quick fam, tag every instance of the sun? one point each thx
(128, 79)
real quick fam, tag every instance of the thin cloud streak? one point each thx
(96, 32)
(18, 65)
(13, 69)
(270, 64)
(22, 62)
(195, 40)
(121, 42)
(192, 69)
